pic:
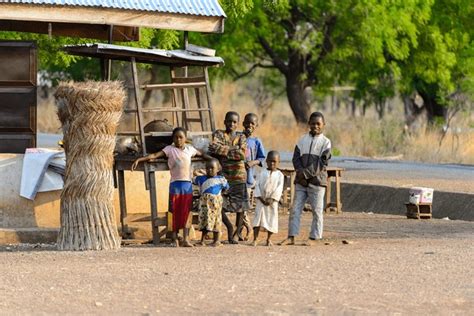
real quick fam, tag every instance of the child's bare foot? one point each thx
(216, 244)
(269, 243)
(186, 243)
(175, 243)
(254, 243)
(233, 242)
(290, 241)
(201, 244)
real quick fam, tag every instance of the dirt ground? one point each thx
(389, 265)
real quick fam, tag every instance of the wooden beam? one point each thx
(164, 86)
(120, 33)
(101, 16)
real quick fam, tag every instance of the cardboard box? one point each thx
(420, 195)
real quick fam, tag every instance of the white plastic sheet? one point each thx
(36, 176)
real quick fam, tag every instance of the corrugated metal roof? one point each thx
(189, 7)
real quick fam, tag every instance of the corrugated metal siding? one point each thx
(191, 7)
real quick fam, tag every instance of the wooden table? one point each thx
(333, 172)
(124, 163)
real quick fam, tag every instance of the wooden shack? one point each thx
(22, 220)
(107, 20)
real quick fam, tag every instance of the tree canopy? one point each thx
(379, 47)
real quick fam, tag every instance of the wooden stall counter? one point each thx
(157, 219)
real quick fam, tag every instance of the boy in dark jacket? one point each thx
(310, 159)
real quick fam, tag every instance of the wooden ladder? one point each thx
(181, 117)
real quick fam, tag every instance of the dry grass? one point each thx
(351, 136)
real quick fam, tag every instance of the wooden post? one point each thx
(154, 208)
(338, 192)
(327, 208)
(123, 203)
(174, 99)
(202, 117)
(139, 117)
(209, 101)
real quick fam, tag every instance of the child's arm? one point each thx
(260, 158)
(313, 170)
(199, 172)
(217, 146)
(238, 152)
(297, 163)
(277, 193)
(203, 155)
(275, 196)
(156, 155)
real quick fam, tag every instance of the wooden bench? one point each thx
(333, 172)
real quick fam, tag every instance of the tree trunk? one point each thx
(412, 111)
(89, 113)
(353, 107)
(295, 91)
(434, 110)
(380, 108)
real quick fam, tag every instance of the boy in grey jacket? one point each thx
(310, 159)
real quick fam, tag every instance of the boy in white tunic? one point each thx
(268, 190)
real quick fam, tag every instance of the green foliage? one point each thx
(443, 62)
(377, 46)
(58, 65)
(335, 152)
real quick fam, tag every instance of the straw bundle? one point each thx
(89, 113)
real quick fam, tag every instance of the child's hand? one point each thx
(261, 199)
(212, 147)
(250, 164)
(269, 201)
(199, 172)
(135, 164)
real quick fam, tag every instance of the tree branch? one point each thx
(327, 46)
(238, 76)
(276, 60)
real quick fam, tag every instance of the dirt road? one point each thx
(390, 265)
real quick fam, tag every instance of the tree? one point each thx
(443, 61)
(318, 43)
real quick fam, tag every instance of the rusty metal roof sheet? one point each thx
(188, 7)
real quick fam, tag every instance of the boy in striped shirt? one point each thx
(229, 147)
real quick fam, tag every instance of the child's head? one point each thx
(231, 120)
(212, 167)
(179, 137)
(250, 123)
(273, 160)
(316, 123)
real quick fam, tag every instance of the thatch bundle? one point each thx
(89, 113)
